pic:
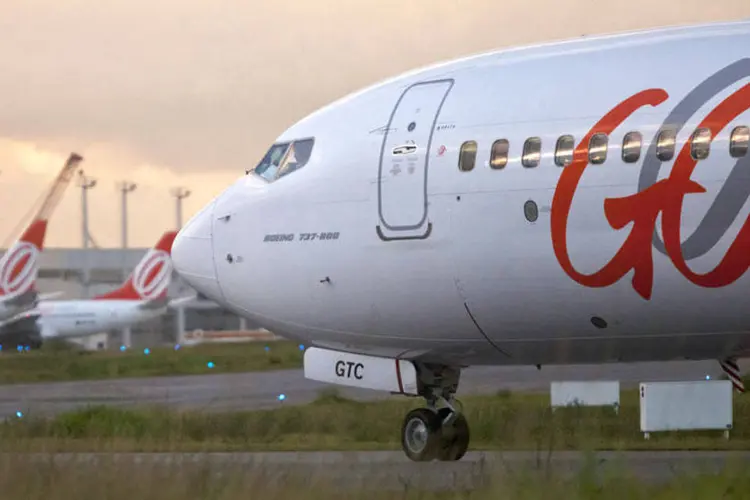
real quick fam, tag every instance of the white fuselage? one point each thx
(424, 260)
(75, 318)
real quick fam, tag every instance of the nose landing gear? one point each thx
(436, 434)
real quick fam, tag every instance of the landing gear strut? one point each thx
(434, 433)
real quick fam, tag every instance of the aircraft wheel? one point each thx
(454, 437)
(421, 435)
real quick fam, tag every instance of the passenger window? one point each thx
(631, 147)
(738, 144)
(499, 156)
(700, 144)
(665, 144)
(564, 150)
(532, 152)
(598, 149)
(467, 156)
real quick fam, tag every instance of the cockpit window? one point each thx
(284, 158)
(269, 165)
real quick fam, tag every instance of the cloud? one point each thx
(192, 92)
(151, 209)
(198, 85)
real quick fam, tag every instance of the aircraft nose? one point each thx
(193, 254)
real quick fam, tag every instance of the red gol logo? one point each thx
(441, 150)
(664, 198)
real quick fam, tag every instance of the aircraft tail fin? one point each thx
(150, 279)
(20, 264)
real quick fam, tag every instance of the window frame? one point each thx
(281, 173)
(572, 150)
(732, 141)
(282, 161)
(659, 149)
(693, 148)
(504, 157)
(462, 152)
(525, 162)
(254, 170)
(625, 145)
(590, 149)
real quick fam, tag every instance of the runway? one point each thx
(391, 470)
(382, 470)
(261, 390)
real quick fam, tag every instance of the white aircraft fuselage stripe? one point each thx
(74, 318)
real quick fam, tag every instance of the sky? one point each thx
(190, 93)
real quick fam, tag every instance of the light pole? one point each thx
(125, 187)
(85, 183)
(179, 193)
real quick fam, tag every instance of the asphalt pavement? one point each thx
(262, 390)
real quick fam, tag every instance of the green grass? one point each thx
(23, 480)
(59, 362)
(504, 421)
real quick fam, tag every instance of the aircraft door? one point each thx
(404, 160)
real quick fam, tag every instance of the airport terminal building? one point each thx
(65, 270)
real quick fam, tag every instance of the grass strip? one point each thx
(25, 480)
(502, 421)
(62, 362)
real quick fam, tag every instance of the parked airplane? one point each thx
(143, 296)
(575, 202)
(19, 266)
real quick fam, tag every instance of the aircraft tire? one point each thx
(421, 435)
(454, 437)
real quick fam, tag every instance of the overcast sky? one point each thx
(191, 92)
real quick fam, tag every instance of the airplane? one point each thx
(579, 201)
(19, 266)
(143, 296)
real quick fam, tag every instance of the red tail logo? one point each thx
(20, 264)
(151, 277)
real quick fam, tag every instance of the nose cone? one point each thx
(193, 254)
